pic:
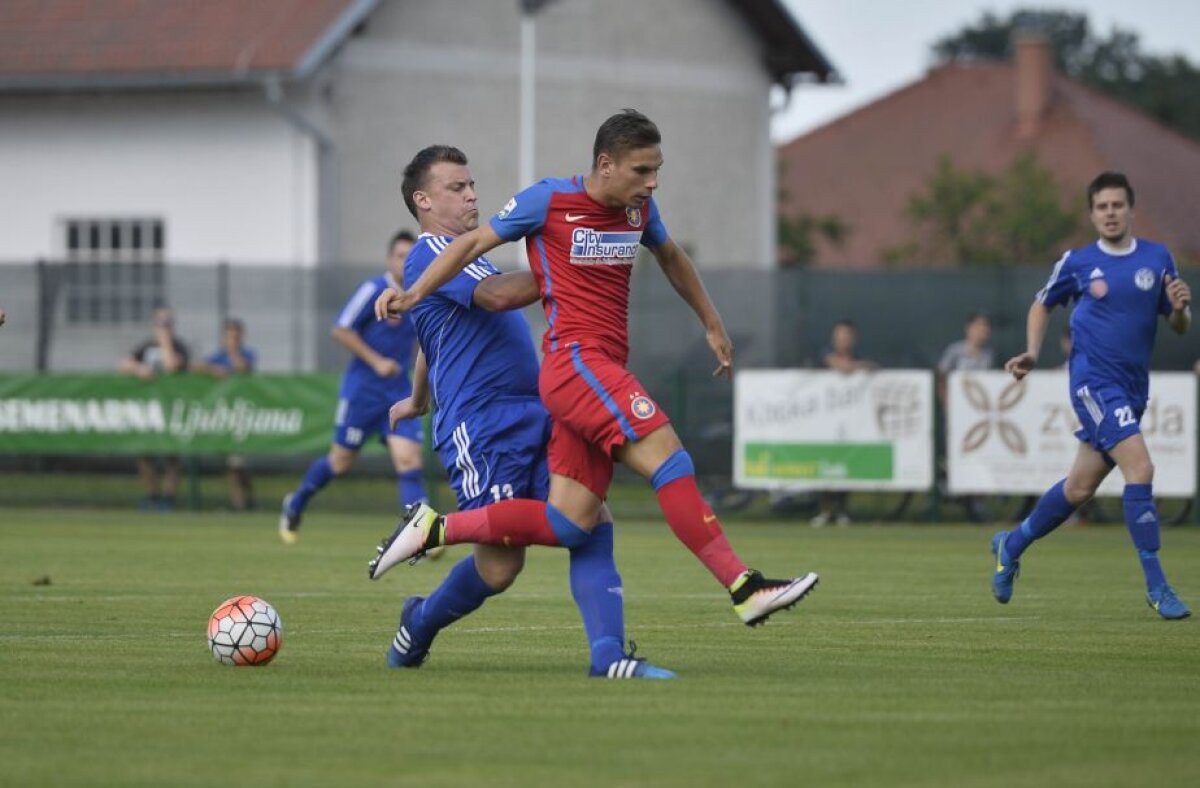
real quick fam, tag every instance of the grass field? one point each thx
(899, 670)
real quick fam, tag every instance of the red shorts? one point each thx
(597, 405)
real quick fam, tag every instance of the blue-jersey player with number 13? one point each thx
(1120, 285)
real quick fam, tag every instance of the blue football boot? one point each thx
(631, 667)
(405, 652)
(1166, 604)
(1006, 569)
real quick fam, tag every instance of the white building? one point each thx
(274, 133)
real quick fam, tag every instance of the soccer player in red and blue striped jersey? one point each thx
(582, 235)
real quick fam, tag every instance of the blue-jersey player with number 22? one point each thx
(1120, 285)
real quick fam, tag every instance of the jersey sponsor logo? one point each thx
(634, 216)
(574, 217)
(590, 247)
(1096, 273)
(1098, 288)
(508, 208)
(642, 407)
(1144, 279)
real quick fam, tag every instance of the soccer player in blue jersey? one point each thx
(490, 428)
(1120, 285)
(376, 376)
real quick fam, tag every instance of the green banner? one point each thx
(820, 461)
(177, 414)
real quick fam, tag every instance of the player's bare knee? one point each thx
(1139, 472)
(341, 462)
(1079, 491)
(499, 568)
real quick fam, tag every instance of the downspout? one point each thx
(327, 225)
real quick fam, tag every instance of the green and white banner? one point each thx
(1008, 436)
(177, 414)
(823, 430)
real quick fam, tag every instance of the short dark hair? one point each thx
(971, 318)
(848, 323)
(623, 132)
(1109, 180)
(233, 322)
(418, 170)
(402, 235)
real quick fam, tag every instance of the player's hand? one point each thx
(392, 303)
(145, 372)
(1178, 292)
(386, 368)
(1020, 366)
(404, 409)
(722, 348)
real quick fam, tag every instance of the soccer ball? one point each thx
(244, 630)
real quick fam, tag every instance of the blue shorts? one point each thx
(1108, 415)
(499, 452)
(358, 417)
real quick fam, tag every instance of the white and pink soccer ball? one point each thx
(244, 630)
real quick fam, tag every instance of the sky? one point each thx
(881, 45)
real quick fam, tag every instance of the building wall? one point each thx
(448, 72)
(231, 178)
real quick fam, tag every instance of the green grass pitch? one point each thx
(900, 669)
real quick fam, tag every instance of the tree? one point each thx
(797, 236)
(1166, 88)
(970, 217)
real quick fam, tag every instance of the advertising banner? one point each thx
(818, 429)
(176, 414)
(1005, 436)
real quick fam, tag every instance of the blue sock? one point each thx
(460, 593)
(596, 586)
(410, 486)
(318, 475)
(1141, 518)
(1051, 511)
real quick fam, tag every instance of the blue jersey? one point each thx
(392, 338)
(1119, 299)
(221, 359)
(476, 358)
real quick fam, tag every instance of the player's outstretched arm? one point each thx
(1035, 334)
(417, 403)
(461, 251)
(506, 291)
(1180, 319)
(351, 340)
(681, 273)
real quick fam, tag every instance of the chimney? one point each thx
(1034, 80)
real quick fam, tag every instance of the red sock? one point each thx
(694, 524)
(513, 523)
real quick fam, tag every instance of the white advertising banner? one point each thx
(1005, 436)
(822, 430)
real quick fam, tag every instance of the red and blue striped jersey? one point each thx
(582, 255)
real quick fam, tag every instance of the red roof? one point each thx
(59, 43)
(864, 166)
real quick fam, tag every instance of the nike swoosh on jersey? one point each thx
(574, 217)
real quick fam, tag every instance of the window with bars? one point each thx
(114, 268)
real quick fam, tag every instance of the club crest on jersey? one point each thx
(1144, 279)
(642, 407)
(594, 247)
(634, 216)
(508, 208)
